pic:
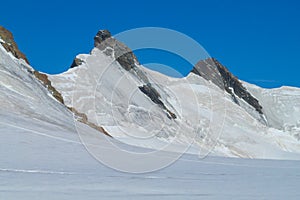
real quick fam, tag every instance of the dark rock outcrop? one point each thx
(152, 93)
(101, 36)
(214, 71)
(10, 45)
(76, 62)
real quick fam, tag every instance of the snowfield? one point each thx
(51, 164)
(42, 155)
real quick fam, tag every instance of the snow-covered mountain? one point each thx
(210, 110)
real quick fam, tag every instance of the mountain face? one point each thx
(110, 91)
(125, 57)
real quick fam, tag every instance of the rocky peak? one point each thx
(214, 71)
(124, 55)
(8, 42)
(101, 36)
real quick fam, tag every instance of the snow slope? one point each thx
(34, 166)
(22, 94)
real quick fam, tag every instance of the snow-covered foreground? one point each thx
(36, 164)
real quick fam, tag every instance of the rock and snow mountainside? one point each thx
(210, 108)
(42, 157)
(110, 91)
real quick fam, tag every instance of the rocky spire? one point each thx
(101, 36)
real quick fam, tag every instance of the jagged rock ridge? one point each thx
(214, 71)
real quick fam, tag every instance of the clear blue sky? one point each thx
(259, 41)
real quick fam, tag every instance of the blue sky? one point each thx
(257, 40)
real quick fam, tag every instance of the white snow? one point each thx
(281, 105)
(38, 167)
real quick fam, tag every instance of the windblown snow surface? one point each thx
(42, 156)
